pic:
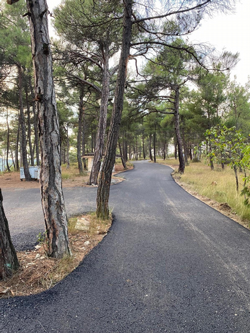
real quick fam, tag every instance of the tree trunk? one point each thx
(34, 109)
(175, 149)
(50, 176)
(143, 147)
(102, 120)
(210, 158)
(150, 149)
(122, 158)
(67, 157)
(29, 126)
(164, 151)
(154, 143)
(177, 131)
(22, 124)
(236, 178)
(8, 257)
(17, 145)
(83, 140)
(190, 153)
(7, 141)
(109, 159)
(125, 149)
(79, 134)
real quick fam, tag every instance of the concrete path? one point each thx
(169, 264)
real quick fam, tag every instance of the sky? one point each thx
(228, 32)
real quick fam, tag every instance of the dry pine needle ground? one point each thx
(37, 272)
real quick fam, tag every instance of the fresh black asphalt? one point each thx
(169, 264)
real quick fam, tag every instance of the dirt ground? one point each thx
(38, 272)
(12, 180)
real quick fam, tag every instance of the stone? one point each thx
(82, 224)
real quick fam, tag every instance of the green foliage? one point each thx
(227, 145)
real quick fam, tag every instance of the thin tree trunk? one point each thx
(236, 178)
(17, 145)
(83, 140)
(190, 153)
(13, 161)
(29, 127)
(50, 177)
(22, 122)
(177, 131)
(79, 134)
(150, 149)
(34, 109)
(136, 148)
(102, 120)
(154, 143)
(8, 257)
(164, 151)
(175, 149)
(125, 148)
(8, 141)
(210, 158)
(67, 157)
(143, 147)
(109, 159)
(122, 158)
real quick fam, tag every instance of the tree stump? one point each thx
(8, 257)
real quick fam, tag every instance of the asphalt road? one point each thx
(169, 264)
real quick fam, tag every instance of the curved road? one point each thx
(169, 264)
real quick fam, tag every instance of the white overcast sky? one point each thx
(229, 32)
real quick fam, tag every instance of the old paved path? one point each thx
(169, 264)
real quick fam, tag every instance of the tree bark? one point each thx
(67, 157)
(236, 178)
(17, 144)
(150, 149)
(50, 176)
(8, 141)
(154, 143)
(22, 125)
(143, 147)
(109, 159)
(8, 257)
(79, 134)
(122, 157)
(34, 109)
(178, 132)
(29, 126)
(102, 120)
(83, 140)
(125, 148)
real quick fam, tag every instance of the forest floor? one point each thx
(38, 272)
(200, 182)
(70, 178)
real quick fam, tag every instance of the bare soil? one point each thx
(12, 180)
